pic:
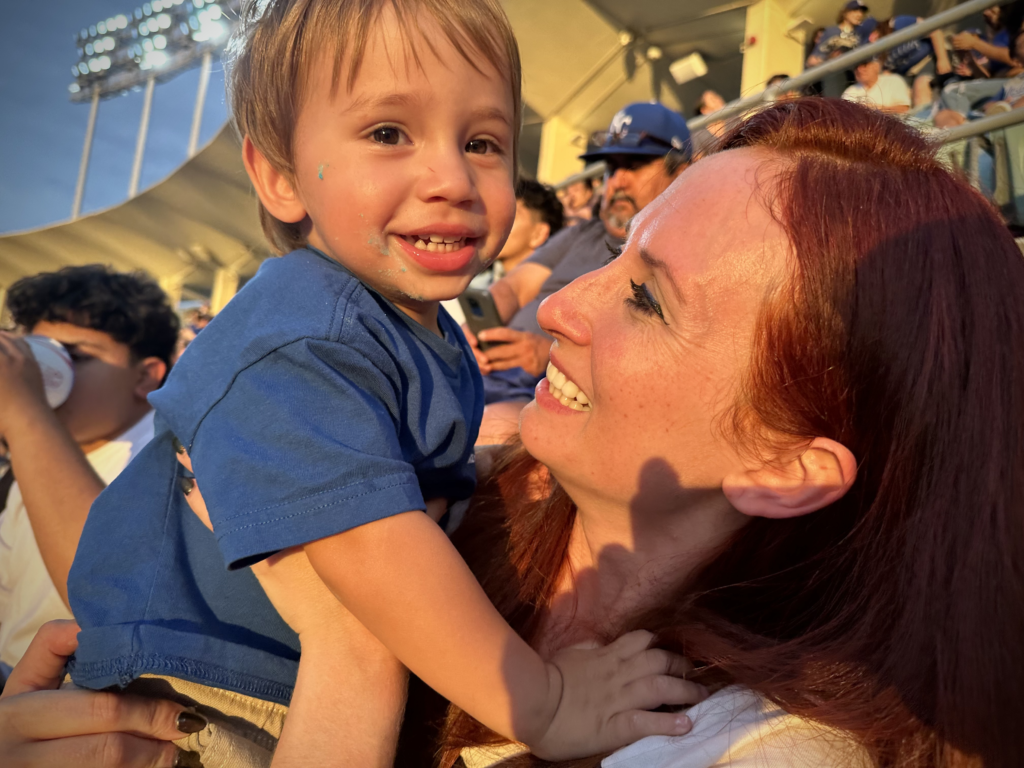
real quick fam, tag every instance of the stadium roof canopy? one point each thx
(203, 216)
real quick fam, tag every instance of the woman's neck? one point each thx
(621, 561)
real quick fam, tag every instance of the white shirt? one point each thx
(734, 728)
(28, 598)
(890, 91)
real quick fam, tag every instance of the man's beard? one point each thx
(617, 220)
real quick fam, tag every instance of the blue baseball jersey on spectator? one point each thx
(903, 57)
(835, 39)
(309, 406)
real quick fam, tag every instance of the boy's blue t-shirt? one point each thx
(309, 406)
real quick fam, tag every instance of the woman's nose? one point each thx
(566, 314)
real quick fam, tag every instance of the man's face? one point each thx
(631, 182)
(520, 239)
(867, 73)
(109, 394)
(711, 102)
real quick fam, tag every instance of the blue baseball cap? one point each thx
(644, 128)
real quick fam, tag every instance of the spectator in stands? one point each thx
(850, 31)
(644, 149)
(703, 139)
(775, 80)
(918, 61)
(538, 217)
(989, 49)
(961, 101)
(984, 62)
(578, 200)
(882, 90)
(121, 334)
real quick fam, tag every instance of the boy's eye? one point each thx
(643, 301)
(481, 146)
(387, 135)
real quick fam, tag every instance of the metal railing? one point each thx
(839, 64)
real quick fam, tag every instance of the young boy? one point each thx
(330, 399)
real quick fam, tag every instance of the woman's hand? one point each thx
(43, 727)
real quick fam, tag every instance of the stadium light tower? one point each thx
(154, 42)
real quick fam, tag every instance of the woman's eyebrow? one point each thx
(658, 265)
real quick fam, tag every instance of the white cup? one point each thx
(57, 367)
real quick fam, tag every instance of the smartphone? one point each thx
(481, 312)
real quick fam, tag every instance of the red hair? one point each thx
(897, 613)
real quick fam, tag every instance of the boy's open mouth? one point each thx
(438, 243)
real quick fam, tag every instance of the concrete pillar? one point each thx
(225, 285)
(769, 49)
(172, 286)
(560, 148)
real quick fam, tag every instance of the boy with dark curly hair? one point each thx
(120, 332)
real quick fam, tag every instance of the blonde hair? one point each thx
(277, 42)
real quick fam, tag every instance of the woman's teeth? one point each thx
(436, 243)
(565, 391)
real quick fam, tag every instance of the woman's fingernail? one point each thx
(683, 724)
(190, 722)
(187, 484)
(178, 447)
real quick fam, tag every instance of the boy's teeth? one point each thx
(564, 390)
(437, 243)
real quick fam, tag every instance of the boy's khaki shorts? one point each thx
(241, 731)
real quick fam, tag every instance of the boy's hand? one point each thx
(21, 382)
(607, 692)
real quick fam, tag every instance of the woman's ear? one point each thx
(821, 474)
(275, 190)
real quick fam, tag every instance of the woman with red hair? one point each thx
(784, 431)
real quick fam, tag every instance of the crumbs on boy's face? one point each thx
(320, 170)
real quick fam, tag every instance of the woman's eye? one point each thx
(387, 135)
(481, 146)
(643, 301)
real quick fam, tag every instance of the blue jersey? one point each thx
(309, 406)
(905, 56)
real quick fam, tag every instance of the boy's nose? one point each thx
(449, 177)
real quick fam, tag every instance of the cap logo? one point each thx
(619, 123)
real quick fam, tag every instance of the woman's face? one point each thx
(659, 340)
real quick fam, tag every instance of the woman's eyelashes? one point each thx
(643, 301)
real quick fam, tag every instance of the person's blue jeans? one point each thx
(966, 95)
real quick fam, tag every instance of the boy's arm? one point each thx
(57, 483)
(404, 581)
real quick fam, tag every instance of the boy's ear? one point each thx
(540, 234)
(151, 372)
(275, 190)
(821, 474)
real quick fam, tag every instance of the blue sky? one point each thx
(42, 132)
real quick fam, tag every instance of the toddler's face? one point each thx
(406, 179)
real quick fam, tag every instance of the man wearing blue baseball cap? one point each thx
(646, 146)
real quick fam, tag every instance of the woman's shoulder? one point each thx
(738, 728)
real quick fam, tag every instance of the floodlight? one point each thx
(118, 54)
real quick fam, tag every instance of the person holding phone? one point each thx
(646, 147)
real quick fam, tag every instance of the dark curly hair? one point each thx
(542, 199)
(129, 307)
